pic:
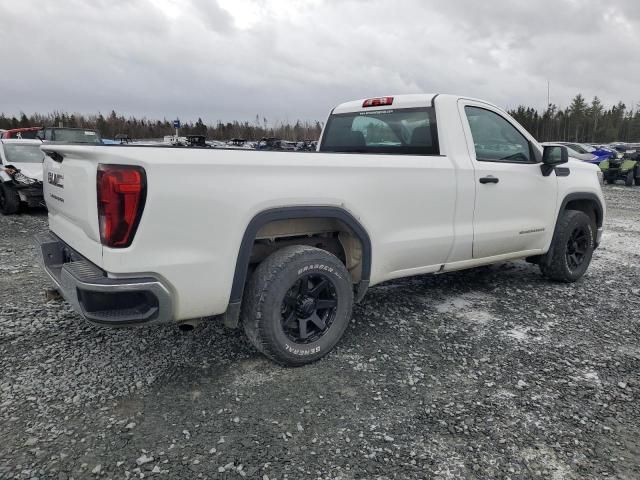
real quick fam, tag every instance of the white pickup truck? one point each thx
(284, 243)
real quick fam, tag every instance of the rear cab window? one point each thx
(401, 131)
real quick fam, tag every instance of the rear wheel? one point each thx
(629, 179)
(297, 305)
(9, 199)
(571, 248)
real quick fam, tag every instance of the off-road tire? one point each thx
(262, 307)
(555, 264)
(637, 177)
(629, 179)
(9, 199)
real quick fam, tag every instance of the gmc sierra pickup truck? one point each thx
(283, 243)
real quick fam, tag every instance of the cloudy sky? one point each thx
(290, 59)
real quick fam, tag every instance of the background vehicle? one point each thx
(122, 139)
(197, 141)
(20, 174)
(601, 154)
(70, 135)
(625, 167)
(401, 186)
(269, 143)
(22, 133)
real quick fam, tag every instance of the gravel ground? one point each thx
(489, 373)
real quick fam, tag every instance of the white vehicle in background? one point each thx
(20, 174)
(283, 243)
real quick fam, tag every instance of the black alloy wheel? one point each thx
(577, 247)
(309, 308)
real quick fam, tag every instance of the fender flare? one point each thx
(231, 316)
(591, 197)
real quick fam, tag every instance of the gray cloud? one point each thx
(298, 58)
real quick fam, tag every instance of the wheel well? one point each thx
(331, 228)
(329, 234)
(588, 207)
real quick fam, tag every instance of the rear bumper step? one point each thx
(98, 298)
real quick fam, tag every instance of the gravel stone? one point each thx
(143, 459)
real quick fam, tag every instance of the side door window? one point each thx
(496, 139)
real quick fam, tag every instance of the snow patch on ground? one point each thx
(481, 317)
(461, 302)
(592, 376)
(252, 373)
(543, 458)
(519, 333)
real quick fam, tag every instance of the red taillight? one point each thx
(122, 192)
(377, 102)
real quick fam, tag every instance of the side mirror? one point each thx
(555, 155)
(552, 156)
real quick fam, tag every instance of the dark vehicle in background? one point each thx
(20, 174)
(122, 139)
(197, 141)
(269, 143)
(22, 133)
(70, 135)
(624, 167)
(306, 146)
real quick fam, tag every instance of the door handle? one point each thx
(489, 179)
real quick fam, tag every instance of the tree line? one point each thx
(581, 121)
(143, 128)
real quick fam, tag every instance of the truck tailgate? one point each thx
(70, 194)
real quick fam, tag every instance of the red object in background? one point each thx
(24, 133)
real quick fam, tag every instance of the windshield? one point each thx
(76, 136)
(16, 153)
(409, 131)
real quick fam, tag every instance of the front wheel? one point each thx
(297, 305)
(9, 199)
(571, 248)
